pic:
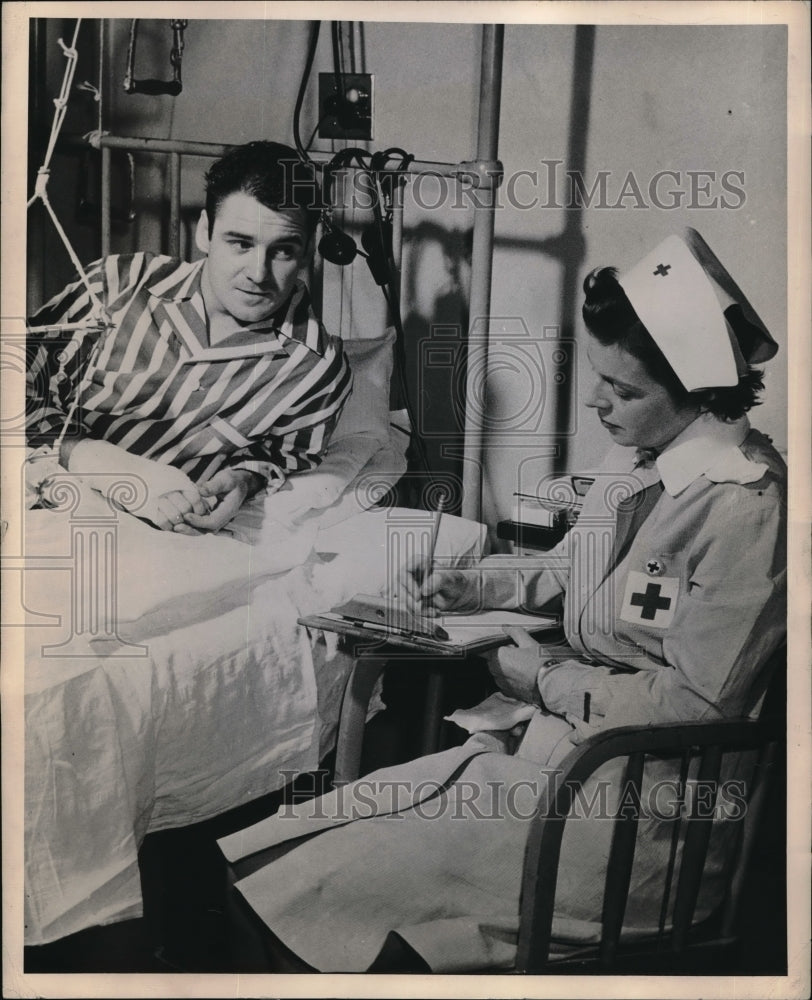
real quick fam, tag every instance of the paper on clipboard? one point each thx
(463, 629)
(452, 630)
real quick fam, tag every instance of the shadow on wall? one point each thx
(436, 338)
(435, 359)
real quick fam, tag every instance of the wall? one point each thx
(604, 103)
(682, 99)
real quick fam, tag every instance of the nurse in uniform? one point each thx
(673, 583)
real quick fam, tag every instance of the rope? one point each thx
(44, 172)
(61, 102)
(98, 318)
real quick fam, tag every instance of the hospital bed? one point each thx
(166, 678)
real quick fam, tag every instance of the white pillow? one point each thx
(367, 410)
(380, 473)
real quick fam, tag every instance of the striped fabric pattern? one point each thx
(266, 398)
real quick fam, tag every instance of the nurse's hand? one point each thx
(428, 592)
(516, 668)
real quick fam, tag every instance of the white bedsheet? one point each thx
(226, 696)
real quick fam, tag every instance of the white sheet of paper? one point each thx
(468, 628)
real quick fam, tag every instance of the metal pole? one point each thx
(174, 204)
(135, 144)
(469, 169)
(105, 201)
(490, 92)
(37, 109)
(397, 228)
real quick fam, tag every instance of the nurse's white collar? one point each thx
(708, 447)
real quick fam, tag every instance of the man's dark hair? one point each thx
(610, 318)
(270, 172)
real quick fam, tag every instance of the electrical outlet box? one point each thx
(345, 110)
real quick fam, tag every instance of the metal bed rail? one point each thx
(485, 171)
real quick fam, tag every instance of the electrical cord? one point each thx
(391, 293)
(341, 48)
(310, 141)
(378, 168)
(297, 110)
(378, 244)
(337, 70)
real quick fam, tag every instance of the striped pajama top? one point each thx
(266, 398)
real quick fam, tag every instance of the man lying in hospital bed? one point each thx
(210, 381)
(166, 678)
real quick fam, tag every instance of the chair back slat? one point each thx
(676, 829)
(541, 874)
(621, 858)
(695, 848)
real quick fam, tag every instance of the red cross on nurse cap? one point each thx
(696, 313)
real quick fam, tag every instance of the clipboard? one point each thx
(458, 635)
(364, 609)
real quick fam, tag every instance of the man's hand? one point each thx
(517, 668)
(170, 493)
(169, 511)
(229, 489)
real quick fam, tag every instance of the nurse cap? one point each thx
(696, 313)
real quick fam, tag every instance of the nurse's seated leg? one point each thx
(254, 948)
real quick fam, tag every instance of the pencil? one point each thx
(434, 533)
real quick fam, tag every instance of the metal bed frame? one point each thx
(484, 171)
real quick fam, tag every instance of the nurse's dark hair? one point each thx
(611, 319)
(270, 172)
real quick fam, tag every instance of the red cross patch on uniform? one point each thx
(650, 601)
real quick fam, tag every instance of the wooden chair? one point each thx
(678, 940)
